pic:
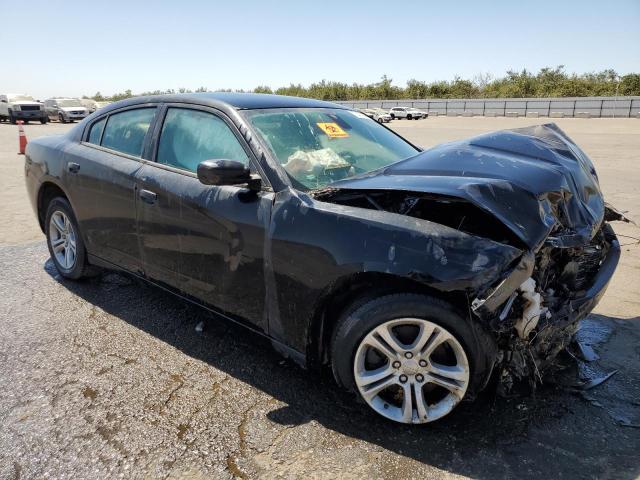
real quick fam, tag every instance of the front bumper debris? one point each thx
(534, 320)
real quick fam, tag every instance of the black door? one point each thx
(101, 177)
(206, 241)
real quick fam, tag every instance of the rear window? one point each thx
(125, 131)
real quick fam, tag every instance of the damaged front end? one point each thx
(541, 315)
(532, 189)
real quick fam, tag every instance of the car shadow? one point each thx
(527, 436)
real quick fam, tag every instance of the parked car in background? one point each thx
(65, 109)
(89, 104)
(406, 112)
(417, 113)
(369, 112)
(411, 275)
(378, 114)
(381, 116)
(93, 105)
(17, 106)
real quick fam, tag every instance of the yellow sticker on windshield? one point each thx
(332, 130)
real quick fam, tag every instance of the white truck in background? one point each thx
(17, 106)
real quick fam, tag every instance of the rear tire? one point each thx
(470, 350)
(12, 119)
(64, 240)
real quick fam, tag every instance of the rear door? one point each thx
(206, 241)
(100, 173)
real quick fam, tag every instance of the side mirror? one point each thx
(226, 172)
(3, 101)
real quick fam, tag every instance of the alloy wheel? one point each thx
(411, 370)
(62, 238)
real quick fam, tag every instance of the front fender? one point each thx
(312, 244)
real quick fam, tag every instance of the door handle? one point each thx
(148, 197)
(73, 167)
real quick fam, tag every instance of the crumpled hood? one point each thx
(529, 178)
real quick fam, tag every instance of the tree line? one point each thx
(548, 82)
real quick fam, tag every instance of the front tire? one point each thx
(64, 241)
(61, 118)
(412, 358)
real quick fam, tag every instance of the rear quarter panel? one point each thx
(44, 159)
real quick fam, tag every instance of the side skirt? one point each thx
(283, 349)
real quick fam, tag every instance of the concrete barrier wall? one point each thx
(582, 107)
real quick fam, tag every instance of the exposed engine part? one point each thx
(541, 320)
(442, 209)
(507, 307)
(532, 310)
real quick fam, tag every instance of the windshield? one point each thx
(21, 98)
(319, 146)
(70, 102)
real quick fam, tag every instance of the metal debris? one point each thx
(594, 382)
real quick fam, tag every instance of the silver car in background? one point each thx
(65, 109)
(378, 114)
(92, 105)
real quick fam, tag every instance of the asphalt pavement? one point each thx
(109, 378)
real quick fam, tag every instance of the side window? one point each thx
(190, 136)
(96, 131)
(125, 131)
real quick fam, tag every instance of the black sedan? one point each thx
(414, 275)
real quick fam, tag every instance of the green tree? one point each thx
(262, 89)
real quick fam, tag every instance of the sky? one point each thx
(73, 48)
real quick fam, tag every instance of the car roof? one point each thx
(237, 101)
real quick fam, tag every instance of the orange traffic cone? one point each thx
(22, 138)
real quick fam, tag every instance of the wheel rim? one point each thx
(411, 370)
(62, 238)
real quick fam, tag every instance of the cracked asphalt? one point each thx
(108, 378)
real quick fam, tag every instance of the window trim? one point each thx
(93, 124)
(254, 165)
(145, 143)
